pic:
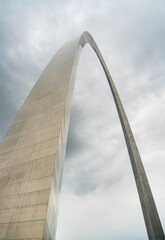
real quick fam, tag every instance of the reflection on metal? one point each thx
(33, 150)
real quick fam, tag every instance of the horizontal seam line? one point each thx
(25, 193)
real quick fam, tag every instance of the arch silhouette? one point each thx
(32, 152)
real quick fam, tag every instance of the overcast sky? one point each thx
(99, 198)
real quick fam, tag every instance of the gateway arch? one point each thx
(32, 152)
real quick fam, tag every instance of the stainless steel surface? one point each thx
(32, 152)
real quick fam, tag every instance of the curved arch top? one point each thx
(33, 149)
(152, 221)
